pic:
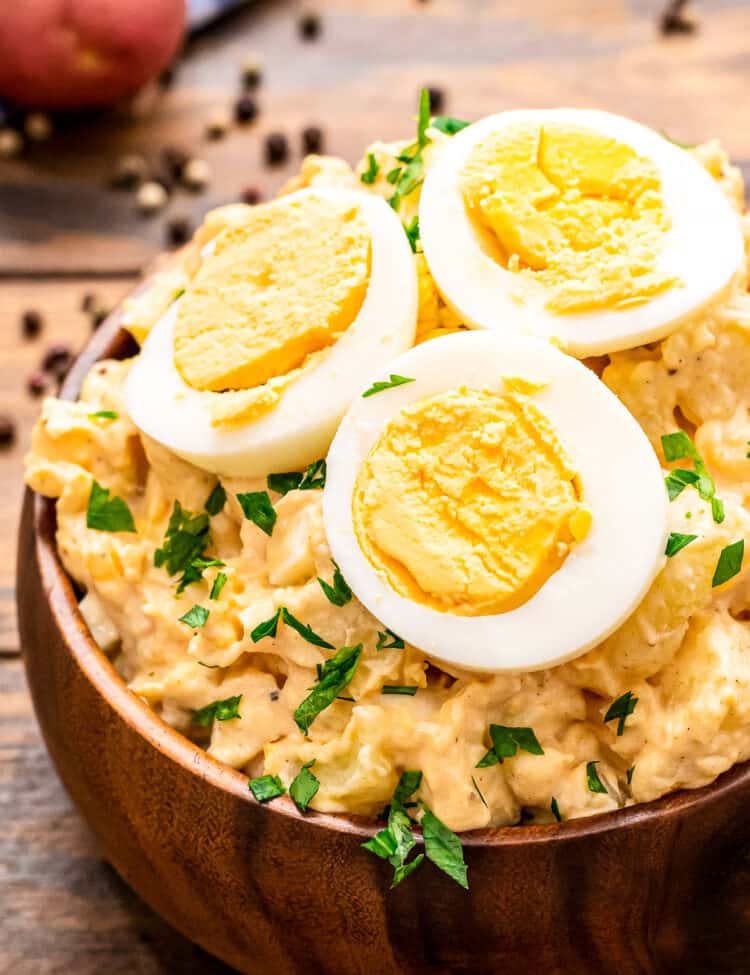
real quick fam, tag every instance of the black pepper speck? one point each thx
(245, 109)
(276, 148)
(7, 430)
(31, 324)
(312, 139)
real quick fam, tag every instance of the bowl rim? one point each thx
(97, 668)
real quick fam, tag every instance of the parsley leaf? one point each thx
(412, 233)
(443, 847)
(506, 741)
(629, 774)
(677, 480)
(104, 415)
(729, 564)
(396, 841)
(266, 628)
(106, 513)
(219, 582)
(411, 175)
(266, 787)
(304, 787)
(407, 785)
(679, 446)
(216, 500)
(676, 542)
(269, 627)
(384, 636)
(409, 691)
(593, 781)
(339, 593)
(620, 709)
(479, 792)
(371, 173)
(555, 809)
(185, 540)
(257, 507)
(195, 617)
(378, 387)
(220, 710)
(313, 477)
(335, 675)
(448, 125)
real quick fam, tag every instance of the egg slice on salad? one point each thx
(494, 504)
(575, 225)
(252, 368)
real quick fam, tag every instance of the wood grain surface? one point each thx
(64, 232)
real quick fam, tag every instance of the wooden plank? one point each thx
(360, 79)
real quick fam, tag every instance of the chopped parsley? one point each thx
(304, 787)
(729, 564)
(216, 500)
(218, 710)
(679, 446)
(407, 785)
(443, 847)
(106, 513)
(593, 781)
(185, 541)
(676, 542)
(409, 176)
(339, 593)
(620, 710)
(412, 233)
(629, 774)
(448, 125)
(555, 809)
(104, 415)
(506, 741)
(379, 386)
(384, 636)
(371, 173)
(479, 792)
(409, 691)
(269, 627)
(313, 477)
(396, 841)
(178, 294)
(195, 617)
(333, 677)
(266, 787)
(219, 582)
(257, 507)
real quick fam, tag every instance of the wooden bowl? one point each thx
(655, 888)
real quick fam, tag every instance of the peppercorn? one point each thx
(173, 160)
(98, 315)
(57, 354)
(245, 109)
(675, 19)
(252, 73)
(312, 140)
(7, 430)
(251, 195)
(36, 383)
(129, 172)
(179, 230)
(31, 324)
(276, 148)
(308, 25)
(437, 99)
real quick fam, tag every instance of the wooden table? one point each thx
(63, 233)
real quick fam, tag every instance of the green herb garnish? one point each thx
(178, 294)
(313, 477)
(379, 386)
(219, 582)
(257, 507)
(269, 627)
(409, 176)
(593, 781)
(371, 173)
(506, 741)
(216, 500)
(412, 233)
(266, 787)
(679, 446)
(409, 691)
(396, 841)
(185, 541)
(729, 564)
(304, 787)
(339, 593)
(218, 710)
(676, 542)
(443, 847)
(629, 774)
(677, 480)
(106, 513)
(104, 415)
(384, 636)
(334, 676)
(621, 709)
(555, 809)
(479, 792)
(448, 125)
(195, 617)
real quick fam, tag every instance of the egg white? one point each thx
(299, 429)
(703, 247)
(603, 578)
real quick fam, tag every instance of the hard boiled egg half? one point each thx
(251, 370)
(575, 225)
(494, 504)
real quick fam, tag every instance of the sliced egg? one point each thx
(494, 504)
(251, 370)
(577, 226)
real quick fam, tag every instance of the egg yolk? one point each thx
(468, 501)
(576, 210)
(282, 286)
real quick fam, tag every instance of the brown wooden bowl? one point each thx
(660, 887)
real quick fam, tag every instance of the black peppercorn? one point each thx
(56, 355)
(437, 99)
(251, 195)
(31, 324)
(277, 148)
(312, 140)
(179, 230)
(173, 160)
(7, 430)
(245, 109)
(309, 25)
(36, 383)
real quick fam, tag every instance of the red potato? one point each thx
(79, 53)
